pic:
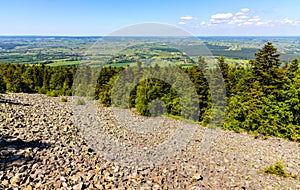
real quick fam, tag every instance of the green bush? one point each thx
(276, 169)
(63, 99)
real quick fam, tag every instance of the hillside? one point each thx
(41, 147)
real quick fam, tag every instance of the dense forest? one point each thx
(262, 99)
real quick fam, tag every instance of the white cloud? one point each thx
(245, 20)
(181, 23)
(244, 10)
(222, 16)
(248, 23)
(236, 21)
(287, 21)
(239, 14)
(262, 23)
(296, 23)
(187, 18)
(242, 17)
(290, 22)
(254, 19)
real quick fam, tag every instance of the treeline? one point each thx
(53, 81)
(262, 99)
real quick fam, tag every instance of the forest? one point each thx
(261, 99)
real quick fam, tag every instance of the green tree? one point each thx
(266, 101)
(202, 64)
(265, 68)
(294, 66)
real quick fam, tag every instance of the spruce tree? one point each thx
(202, 63)
(294, 66)
(266, 68)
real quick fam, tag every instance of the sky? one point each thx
(101, 17)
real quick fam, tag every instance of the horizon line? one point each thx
(29, 35)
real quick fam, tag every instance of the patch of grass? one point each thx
(63, 99)
(255, 134)
(277, 169)
(266, 137)
(294, 176)
(80, 101)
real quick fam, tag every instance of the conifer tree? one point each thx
(265, 68)
(294, 66)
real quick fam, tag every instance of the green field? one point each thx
(57, 51)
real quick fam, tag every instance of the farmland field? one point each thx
(55, 51)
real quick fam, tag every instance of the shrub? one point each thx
(63, 99)
(277, 169)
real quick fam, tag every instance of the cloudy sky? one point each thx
(101, 17)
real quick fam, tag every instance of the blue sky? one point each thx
(100, 17)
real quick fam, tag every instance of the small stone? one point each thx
(77, 149)
(135, 176)
(226, 160)
(28, 187)
(165, 170)
(64, 184)
(58, 184)
(5, 183)
(38, 185)
(97, 170)
(156, 187)
(62, 178)
(116, 169)
(98, 186)
(157, 179)
(78, 186)
(197, 177)
(108, 176)
(65, 129)
(15, 179)
(108, 186)
(145, 188)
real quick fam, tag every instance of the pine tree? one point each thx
(223, 66)
(202, 63)
(294, 66)
(265, 68)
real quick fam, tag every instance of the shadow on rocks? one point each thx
(6, 101)
(17, 151)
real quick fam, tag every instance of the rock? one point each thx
(67, 163)
(5, 183)
(145, 188)
(108, 176)
(78, 186)
(197, 177)
(77, 149)
(116, 169)
(98, 186)
(108, 186)
(28, 187)
(165, 170)
(157, 179)
(15, 179)
(135, 176)
(38, 185)
(156, 187)
(58, 184)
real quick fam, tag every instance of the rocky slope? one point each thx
(42, 147)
